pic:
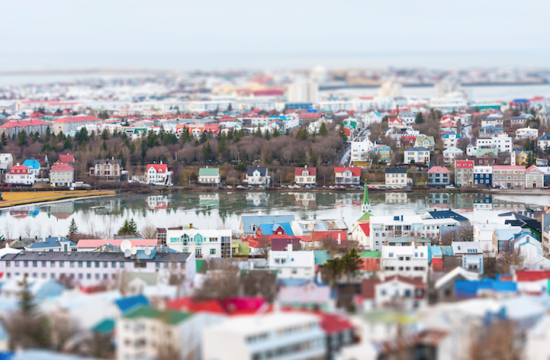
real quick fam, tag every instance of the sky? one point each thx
(184, 34)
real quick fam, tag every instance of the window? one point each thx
(71, 264)
(88, 264)
(121, 264)
(80, 264)
(97, 264)
(113, 264)
(212, 251)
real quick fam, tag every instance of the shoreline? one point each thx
(55, 199)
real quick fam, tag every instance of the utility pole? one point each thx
(324, 180)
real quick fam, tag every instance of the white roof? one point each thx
(462, 247)
(469, 275)
(389, 220)
(254, 324)
(302, 258)
(404, 251)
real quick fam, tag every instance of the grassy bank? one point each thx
(30, 197)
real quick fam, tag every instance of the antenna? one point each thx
(127, 253)
(125, 245)
(133, 250)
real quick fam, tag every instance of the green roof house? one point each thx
(209, 176)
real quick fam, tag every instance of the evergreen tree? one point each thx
(323, 130)
(105, 134)
(276, 132)
(303, 161)
(230, 107)
(419, 119)
(258, 132)
(222, 147)
(68, 143)
(22, 139)
(207, 151)
(312, 157)
(5, 139)
(73, 231)
(203, 138)
(27, 306)
(267, 135)
(128, 228)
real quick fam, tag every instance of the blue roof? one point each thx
(447, 214)
(257, 220)
(268, 229)
(128, 303)
(32, 164)
(452, 133)
(465, 288)
(50, 242)
(293, 282)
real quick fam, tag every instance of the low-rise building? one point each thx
(408, 261)
(378, 293)
(544, 142)
(425, 142)
(158, 174)
(58, 243)
(305, 176)
(417, 155)
(508, 176)
(258, 176)
(61, 175)
(29, 126)
(33, 165)
(19, 175)
(527, 133)
(209, 176)
(108, 168)
(383, 152)
(292, 264)
(483, 175)
(451, 154)
(439, 176)
(6, 162)
(360, 149)
(347, 175)
(464, 172)
(451, 140)
(202, 243)
(534, 177)
(396, 176)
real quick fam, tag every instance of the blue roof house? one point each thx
(276, 229)
(250, 223)
(33, 165)
(128, 303)
(58, 243)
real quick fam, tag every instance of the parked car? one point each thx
(449, 187)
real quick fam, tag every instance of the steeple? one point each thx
(365, 203)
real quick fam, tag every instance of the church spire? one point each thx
(365, 203)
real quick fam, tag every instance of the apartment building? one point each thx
(396, 176)
(292, 264)
(277, 335)
(360, 149)
(107, 168)
(202, 243)
(451, 154)
(29, 126)
(483, 175)
(305, 176)
(61, 175)
(439, 176)
(92, 268)
(408, 261)
(69, 125)
(502, 142)
(508, 176)
(464, 172)
(417, 155)
(527, 133)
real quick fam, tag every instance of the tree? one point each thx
(128, 228)
(419, 119)
(222, 280)
(312, 157)
(323, 130)
(73, 231)
(68, 143)
(4, 139)
(22, 139)
(351, 263)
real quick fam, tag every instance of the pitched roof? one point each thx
(438, 170)
(172, 317)
(127, 303)
(269, 229)
(50, 242)
(61, 167)
(355, 171)
(396, 170)
(31, 164)
(262, 170)
(94, 243)
(160, 168)
(312, 171)
(209, 172)
(23, 123)
(464, 164)
(66, 158)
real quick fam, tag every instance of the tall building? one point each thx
(305, 91)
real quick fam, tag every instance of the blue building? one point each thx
(299, 106)
(483, 175)
(33, 165)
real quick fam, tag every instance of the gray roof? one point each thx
(545, 137)
(262, 170)
(90, 256)
(417, 149)
(111, 161)
(396, 170)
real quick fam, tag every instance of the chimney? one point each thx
(190, 226)
(289, 247)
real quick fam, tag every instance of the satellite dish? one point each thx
(133, 250)
(148, 251)
(125, 245)
(127, 253)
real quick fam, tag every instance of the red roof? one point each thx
(93, 243)
(161, 168)
(312, 171)
(230, 306)
(365, 226)
(508, 167)
(333, 323)
(66, 158)
(355, 171)
(77, 119)
(21, 168)
(61, 167)
(532, 275)
(24, 123)
(368, 285)
(463, 164)
(438, 170)
(329, 234)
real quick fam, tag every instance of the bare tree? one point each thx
(148, 231)
(510, 259)
(259, 283)
(27, 230)
(222, 280)
(466, 232)
(264, 246)
(500, 340)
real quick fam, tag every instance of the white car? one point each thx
(449, 187)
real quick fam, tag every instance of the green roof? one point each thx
(104, 327)
(173, 317)
(371, 254)
(366, 217)
(481, 152)
(198, 265)
(209, 172)
(321, 256)
(407, 239)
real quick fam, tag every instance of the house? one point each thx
(408, 261)
(292, 264)
(310, 296)
(501, 238)
(439, 176)
(534, 177)
(203, 243)
(158, 174)
(527, 133)
(406, 116)
(502, 142)
(446, 214)
(209, 176)
(492, 120)
(61, 175)
(451, 140)
(347, 175)
(417, 155)
(19, 175)
(464, 172)
(305, 176)
(531, 251)
(425, 142)
(58, 243)
(520, 120)
(370, 261)
(396, 176)
(451, 154)
(258, 176)
(41, 289)
(34, 167)
(486, 156)
(361, 232)
(250, 224)
(544, 142)
(383, 152)
(483, 175)
(445, 285)
(66, 159)
(519, 157)
(508, 176)
(298, 333)
(377, 293)
(361, 149)
(6, 162)
(108, 168)
(471, 253)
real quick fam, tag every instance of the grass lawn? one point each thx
(27, 197)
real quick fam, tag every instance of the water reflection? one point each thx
(212, 210)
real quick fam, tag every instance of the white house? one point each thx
(451, 154)
(203, 243)
(209, 175)
(409, 261)
(407, 117)
(417, 155)
(502, 142)
(305, 175)
(6, 162)
(531, 249)
(292, 264)
(20, 175)
(158, 174)
(527, 133)
(61, 175)
(277, 335)
(361, 149)
(483, 233)
(410, 292)
(544, 142)
(258, 176)
(451, 140)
